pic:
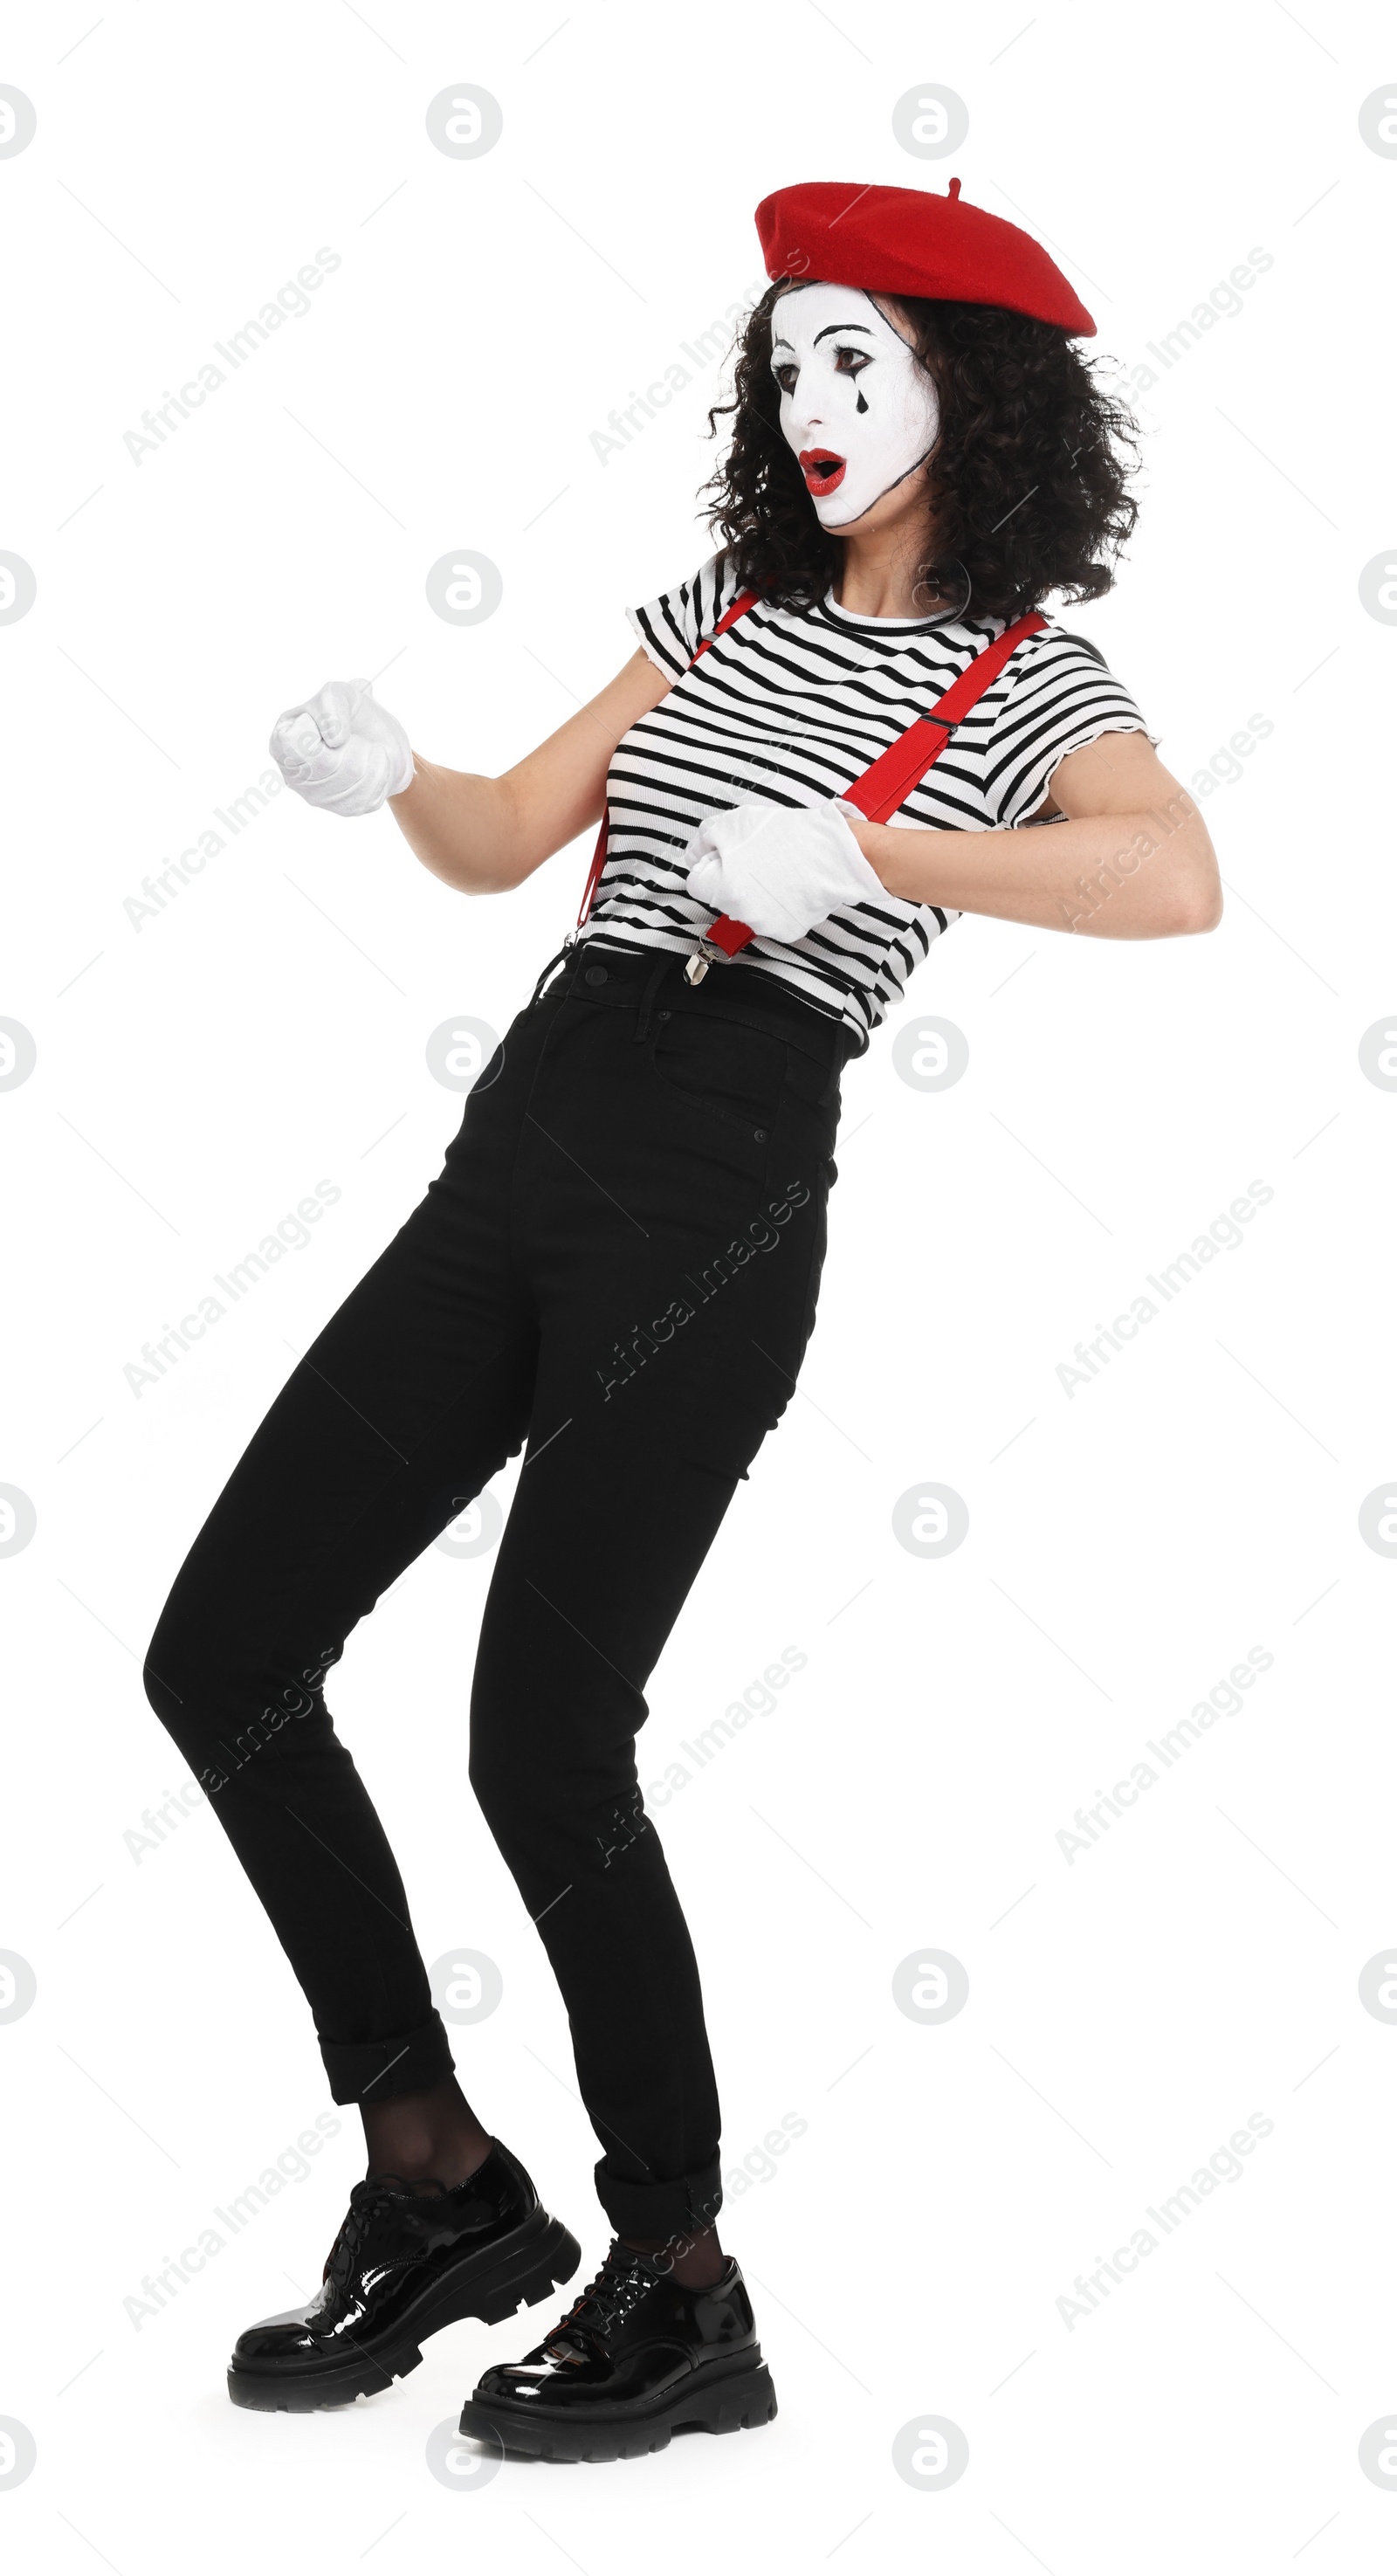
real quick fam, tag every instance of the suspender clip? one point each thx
(707, 954)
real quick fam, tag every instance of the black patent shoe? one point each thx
(636, 2358)
(406, 2262)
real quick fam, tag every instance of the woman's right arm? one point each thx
(485, 835)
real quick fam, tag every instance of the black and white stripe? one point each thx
(792, 704)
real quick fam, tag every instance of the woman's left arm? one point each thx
(1133, 859)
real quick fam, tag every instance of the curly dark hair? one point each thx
(1027, 492)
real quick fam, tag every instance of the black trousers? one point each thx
(618, 1264)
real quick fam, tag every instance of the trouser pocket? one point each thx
(734, 1072)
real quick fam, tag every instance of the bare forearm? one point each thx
(485, 835)
(462, 827)
(1145, 874)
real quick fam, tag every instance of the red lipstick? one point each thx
(823, 470)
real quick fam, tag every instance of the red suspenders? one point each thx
(884, 785)
(746, 599)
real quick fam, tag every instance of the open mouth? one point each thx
(823, 471)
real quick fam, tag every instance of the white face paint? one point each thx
(857, 406)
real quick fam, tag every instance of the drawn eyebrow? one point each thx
(781, 343)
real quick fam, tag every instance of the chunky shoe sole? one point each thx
(519, 2271)
(731, 2401)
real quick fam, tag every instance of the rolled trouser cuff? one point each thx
(662, 2210)
(373, 2070)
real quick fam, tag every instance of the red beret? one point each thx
(906, 241)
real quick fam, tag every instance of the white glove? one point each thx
(341, 750)
(780, 868)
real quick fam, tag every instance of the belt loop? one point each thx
(844, 1045)
(642, 1023)
(548, 969)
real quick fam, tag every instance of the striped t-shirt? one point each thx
(792, 704)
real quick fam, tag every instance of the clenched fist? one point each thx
(781, 869)
(341, 750)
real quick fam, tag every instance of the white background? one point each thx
(1128, 1543)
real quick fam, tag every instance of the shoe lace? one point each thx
(366, 2199)
(608, 2298)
